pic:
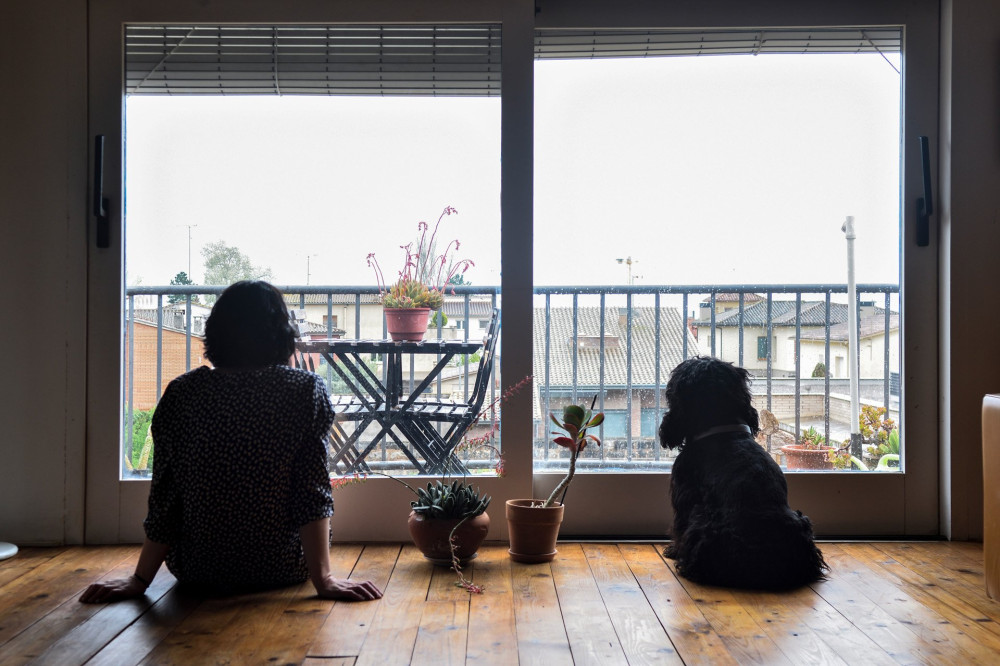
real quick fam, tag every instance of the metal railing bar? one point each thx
(885, 356)
(711, 307)
(601, 367)
(159, 346)
(131, 372)
(187, 334)
(656, 354)
(628, 376)
(798, 364)
(826, 375)
(684, 324)
(548, 364)
(768, 346)
(742, 310)
(576, 349)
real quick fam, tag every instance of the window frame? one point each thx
(907, 503)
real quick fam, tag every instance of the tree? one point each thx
(180, 279)
(225, 264)
(458, 280)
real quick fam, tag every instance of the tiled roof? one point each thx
(872, 325)
(560, 367)
(733, 297)
(312, 328)
(295, 300)
(477, 308)
(782, 314)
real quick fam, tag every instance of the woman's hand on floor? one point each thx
(116, 589)
(347, 590)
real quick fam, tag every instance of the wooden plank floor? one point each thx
(597, 603)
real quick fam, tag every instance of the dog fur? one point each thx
(732, 523)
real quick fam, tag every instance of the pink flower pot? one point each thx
(407, 324)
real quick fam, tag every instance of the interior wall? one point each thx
(43, 181)
(970, 166)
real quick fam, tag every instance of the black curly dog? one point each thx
(732, 523)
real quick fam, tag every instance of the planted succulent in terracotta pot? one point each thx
(421, 284)
(447, 516)
(811, 452)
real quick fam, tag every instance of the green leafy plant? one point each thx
(573, 435)
(408, 293)
(819, 370)
(439, 319)
(880, 434)
(449, 501)
(425, 274)
(875, 426)
(140, 458)
(813, 439)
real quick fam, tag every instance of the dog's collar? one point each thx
(738, 427)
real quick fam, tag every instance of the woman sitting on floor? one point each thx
(240, 498)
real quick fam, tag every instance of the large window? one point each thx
(706, 194)
(306, 156)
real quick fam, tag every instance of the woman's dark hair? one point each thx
(249, 327)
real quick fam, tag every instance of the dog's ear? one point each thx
(671, 430)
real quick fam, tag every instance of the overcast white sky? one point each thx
(703, 170)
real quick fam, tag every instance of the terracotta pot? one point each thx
(408, 324)
(430, 535)
(533, 530)
(801, 457)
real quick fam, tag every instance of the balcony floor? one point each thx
(597, 603)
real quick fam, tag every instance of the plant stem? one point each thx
(564, 484)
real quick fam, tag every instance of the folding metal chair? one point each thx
(420, 423)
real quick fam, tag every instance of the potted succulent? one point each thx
(812, 451)
(420, 285)
(534, 524)
(449, 521)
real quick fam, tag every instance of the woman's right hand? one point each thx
(347, 590)
(116, 589)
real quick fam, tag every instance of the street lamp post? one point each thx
(308, 271)
(628, 261)
(189, 227)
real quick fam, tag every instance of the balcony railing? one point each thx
(617, 343)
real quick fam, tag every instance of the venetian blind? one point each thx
(608, 43)
(449, 60)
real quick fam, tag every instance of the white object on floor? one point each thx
(7, 550)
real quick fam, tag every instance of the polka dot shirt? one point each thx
(240, 466)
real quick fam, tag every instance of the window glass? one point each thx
(701, 194)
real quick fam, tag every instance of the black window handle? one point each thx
(925, 204)
(100, 202)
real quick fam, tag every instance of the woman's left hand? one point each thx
(116, 589)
